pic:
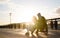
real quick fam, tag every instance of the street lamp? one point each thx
(10, 17)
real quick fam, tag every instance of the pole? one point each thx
(10, 17)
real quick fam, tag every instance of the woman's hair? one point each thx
(34, 19)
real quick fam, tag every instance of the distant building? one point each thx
(14, 26)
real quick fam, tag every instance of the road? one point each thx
(19, 33)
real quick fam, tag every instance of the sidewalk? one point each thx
(15, 31)
(54, 34)
(51, 33)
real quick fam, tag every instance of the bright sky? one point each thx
(23, 10)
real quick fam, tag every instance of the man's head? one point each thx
(38, 14)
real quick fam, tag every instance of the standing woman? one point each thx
(34, 19)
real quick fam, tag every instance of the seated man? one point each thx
(41, 24)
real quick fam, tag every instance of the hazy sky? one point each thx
(23, 10)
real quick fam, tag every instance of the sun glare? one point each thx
(23, 15)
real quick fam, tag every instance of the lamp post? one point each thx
(10, 17)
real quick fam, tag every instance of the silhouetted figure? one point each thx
(41, 24)
(34, 25)
(56, 24)
(51, 24)
(30, 28)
